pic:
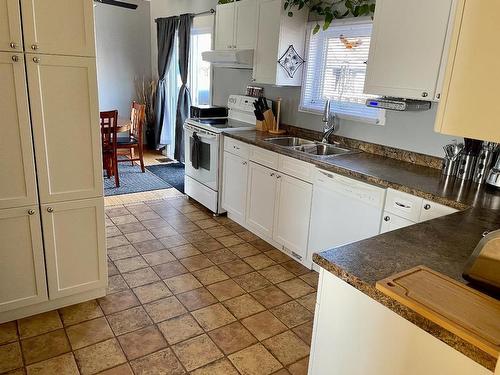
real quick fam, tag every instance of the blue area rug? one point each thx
(132, 180)
(172, 173)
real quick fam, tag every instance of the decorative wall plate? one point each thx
(291, 61)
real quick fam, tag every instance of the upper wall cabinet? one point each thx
(408, 50)
(59, 27)
(276, 32)
(469, 102)
(235, 25)
(11, 38)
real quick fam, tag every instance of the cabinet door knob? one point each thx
(278, 176)
(244, 163)
(13, 45)
(387, 218)
(34, 47)
(15, 58)
(272, 174)
(427, 207)
(36, 60)
(50, 209)
(31, 212)
(425, 94)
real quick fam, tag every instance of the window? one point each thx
(199, 74)
(336, 69)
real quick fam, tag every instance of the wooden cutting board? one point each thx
(471, 315)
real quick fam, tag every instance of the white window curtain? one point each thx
(201, 31)
(336, 69)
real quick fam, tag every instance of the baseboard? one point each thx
(42, 307)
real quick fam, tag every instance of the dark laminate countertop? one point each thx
(442, 244)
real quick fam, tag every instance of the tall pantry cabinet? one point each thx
(52, 240)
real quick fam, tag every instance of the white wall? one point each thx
(412, 131)
(123, 53)
(167, 8)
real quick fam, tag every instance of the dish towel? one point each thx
(196, 151)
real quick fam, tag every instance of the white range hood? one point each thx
(236, 58)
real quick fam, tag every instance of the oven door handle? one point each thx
(201, 133)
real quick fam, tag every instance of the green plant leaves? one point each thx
(329, 9)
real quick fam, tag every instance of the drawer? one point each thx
(431, 210)
(236, 147)
(296, 168)
(264, 157)
(404, 205)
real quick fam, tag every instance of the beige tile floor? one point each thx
(188, 293)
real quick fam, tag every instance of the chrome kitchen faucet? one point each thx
(328, 122)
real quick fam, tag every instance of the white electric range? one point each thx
(204, 183)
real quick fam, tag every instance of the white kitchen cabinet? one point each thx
(431, 210)
(17, 165)
(276, 32)
(371, 339)
(408, 50)
(75, 250)
(472, 78)
(392, 222)
(235, 25)
(59, 27)
(261, 197)
(22, 268)
(66, 132)
(224, 26)
(11, 37)
(234, 186)
(293, 211)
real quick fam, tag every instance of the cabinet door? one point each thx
(245, 27)
(75, 250)
(406, 48)
(17, 166)
(293, 213)
(65, 116)
(262, 189)
(22, 268)
(469, 106)
(11, 37)
(234, 188)
(59, 27)
(266, 46)
(392, 222)
(224, 27)
(431, 210)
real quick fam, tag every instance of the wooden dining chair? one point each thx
(109, 141)
(134, 141)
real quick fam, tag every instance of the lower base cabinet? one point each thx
(75, 250)
(22, 267)
(261, 198)
(234, 182)
(293, 213)
(354, 334)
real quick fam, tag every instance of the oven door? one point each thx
(208, 168)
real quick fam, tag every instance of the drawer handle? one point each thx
(278, 176)
(236, 147)
(427, 207)
(402, 205)
(387, 218)
(244, 163)
(272, 174)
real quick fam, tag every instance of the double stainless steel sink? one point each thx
(310, 147)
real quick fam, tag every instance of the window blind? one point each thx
(336, 72)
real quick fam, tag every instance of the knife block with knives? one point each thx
(266, 121)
